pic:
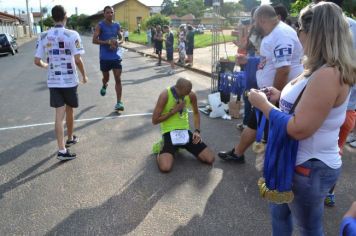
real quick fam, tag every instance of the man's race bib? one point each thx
(179, 137)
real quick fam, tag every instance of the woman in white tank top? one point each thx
(329, 74)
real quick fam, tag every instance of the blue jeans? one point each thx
(308, 205)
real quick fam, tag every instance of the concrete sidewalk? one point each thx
(202, 56)
(23, 40)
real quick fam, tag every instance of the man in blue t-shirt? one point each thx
(169, 47)
(108, 35)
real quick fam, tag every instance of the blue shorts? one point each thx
(107, 65)
(169, 54)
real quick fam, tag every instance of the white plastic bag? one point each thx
(120, 52)
(217, 107)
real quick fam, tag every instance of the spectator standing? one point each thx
(190, 45)
(324, 90)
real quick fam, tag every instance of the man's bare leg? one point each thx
(60, 113)
(165, 162)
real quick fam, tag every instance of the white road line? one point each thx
(80, 120)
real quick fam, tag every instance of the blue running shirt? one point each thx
(108, 32)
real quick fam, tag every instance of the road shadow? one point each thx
(139, 68)
(234, 202)
(35, 142)
(143, 80)
(122, 213)
(138, 131)
(82, 111)
(26, 176)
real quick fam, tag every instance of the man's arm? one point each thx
(96, 39)
(281, 77)
(196, 114)
(157, 116)
(39, 54)
(80, 66)
(119, 36)
(38, 62)
(196, 117)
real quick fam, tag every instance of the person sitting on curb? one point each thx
(172, 113)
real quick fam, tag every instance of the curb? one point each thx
(154, 56)
(20, 43)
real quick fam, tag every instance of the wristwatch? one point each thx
(197, 130)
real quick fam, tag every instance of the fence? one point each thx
(19, 31)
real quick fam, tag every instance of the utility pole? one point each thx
(41, 14)
(215, 56)
(29, 20)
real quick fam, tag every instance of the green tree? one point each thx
(286, 3)
(72, 22)
(167, 7)
(80, 23)
(250, 4)
(156, 19)
(195, 7)
(231, 9)
(48, 22)
(298, 5)
(349, 6)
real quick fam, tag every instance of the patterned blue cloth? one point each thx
(250, 69)
(232, 83)
(281, 153)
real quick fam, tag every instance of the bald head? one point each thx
(265, 11)
(183, 86)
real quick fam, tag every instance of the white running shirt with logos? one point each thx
(58, 46)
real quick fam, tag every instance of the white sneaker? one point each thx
(351, 138)
(353, 144)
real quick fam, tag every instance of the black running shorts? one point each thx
(169, 54)
(189, 50)
(194, 149)
(63, 96)
(108, 65)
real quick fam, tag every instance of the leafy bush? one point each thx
(156, 19)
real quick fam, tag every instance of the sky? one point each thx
(87, 7)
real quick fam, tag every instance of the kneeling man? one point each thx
(172, 113)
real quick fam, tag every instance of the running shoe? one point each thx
(72, 142)
(66, 156)
(231, 156)
(330, 200)
(351, 138)
(119, 106)
(353, 144)
(103, 90)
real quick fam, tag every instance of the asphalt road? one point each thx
(114, 186)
